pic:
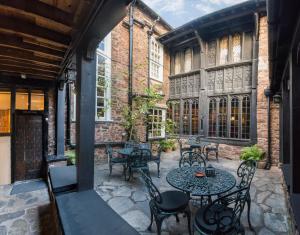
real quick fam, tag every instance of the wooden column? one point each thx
(294, 122)
(285, 124)
(85, 119)
(60, 121)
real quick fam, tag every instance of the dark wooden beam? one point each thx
(47, 73)
(9, 74)
(15, 53)
(17, 70)
(18, 42)
(27, 64)
(41, 9)
(33, 30)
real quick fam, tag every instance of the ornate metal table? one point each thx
(184, 179)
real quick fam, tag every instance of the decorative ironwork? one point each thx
(190, 158)
(184, 179)
(184, 85)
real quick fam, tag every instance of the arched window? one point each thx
(223, 117)
(187, 60)
(246, 118)
(212, 118)
(234, 118)
(176, 118)
(186, 118)
(195, 117)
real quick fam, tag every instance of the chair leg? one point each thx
(149, 227)
(177, 218)
(248, 214)
(158, 225)
(217, 156)
(158, 170)
(188, 215)
(110, 169)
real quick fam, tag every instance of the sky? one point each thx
(179, 12)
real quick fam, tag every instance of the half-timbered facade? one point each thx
(214, 73)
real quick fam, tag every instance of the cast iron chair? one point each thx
(138, 160)
(246, 172)
(131, 144)
(219, 218)
(214, 149)
(183, 148)
(163, 205)
(145, 146)
(156, 159)
(115, 158)
(190, 158)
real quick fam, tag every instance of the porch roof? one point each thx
(38, 38)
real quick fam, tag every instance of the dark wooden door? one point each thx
(28, 146)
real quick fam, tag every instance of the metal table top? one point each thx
(184, 179)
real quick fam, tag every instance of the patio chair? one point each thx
(245, 172)
(156, 159)
(214, 149)
(145, 146)
(218, 218)
(131, 144)
(190, 158)
(138, 160)
(163, 205)
(182, 147)
(114, 158)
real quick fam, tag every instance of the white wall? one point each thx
(5, 161)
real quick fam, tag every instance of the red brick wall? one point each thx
(51, 121)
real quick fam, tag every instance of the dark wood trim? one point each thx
(12, 140)
(40, 9)
(13, 81)
(27, 70)
(60, 122)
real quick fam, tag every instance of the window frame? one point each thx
(153, 123)
(153, 63)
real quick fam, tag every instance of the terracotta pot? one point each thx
(261, 164)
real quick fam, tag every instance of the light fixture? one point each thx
(23, 76)
(277, 98)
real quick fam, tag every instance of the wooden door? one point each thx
(28, 146)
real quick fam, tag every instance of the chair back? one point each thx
(145, 146)
(246, 173)
(191, 158)
(131, 144)
(226, 216)
(139, 158)
(109, 150)
(152, 189)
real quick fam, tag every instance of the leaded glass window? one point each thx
(234, 118)
(195, 117)
(236, 47)
(246, 118)
(177, 63)
(223, 117)
(176, 117)
(186, 118)
(212, 122)
(223, 50)
(188, 60)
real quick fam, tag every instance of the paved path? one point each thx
(269, 213)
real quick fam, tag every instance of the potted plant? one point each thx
(254, 153)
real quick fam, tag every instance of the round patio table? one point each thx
(184, 179)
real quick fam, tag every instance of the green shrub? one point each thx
(71, 156)
(168, 144)
(252, 153)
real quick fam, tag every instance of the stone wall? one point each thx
(51, 121)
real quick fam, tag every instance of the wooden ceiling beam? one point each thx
(14, 75)
(33, 30)
(18, 42)
(27, 55)
(40, 9)
(27, 72)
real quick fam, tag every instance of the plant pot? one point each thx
(261, 164)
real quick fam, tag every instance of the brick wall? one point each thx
(113, 130)
(51, 121)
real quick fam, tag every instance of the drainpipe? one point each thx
(130, 82)
(150, 33)
(269, 160)
(68, 126)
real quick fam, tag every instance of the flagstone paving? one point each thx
(269, 214)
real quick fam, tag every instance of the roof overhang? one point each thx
(232, 19)
(38, 37)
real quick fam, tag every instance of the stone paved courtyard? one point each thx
(269, 214)
(31, 212)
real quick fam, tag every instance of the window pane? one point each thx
(177, 63)
(22, 100)
(224, 50)
(236, 47)
(5, 112)
(212, 118)
(177, 117)
(37, 101)
(155, 123)
(223, 118)
(246, 118)
(155, 60)
(195, 117)
(186, 118)
(188, 60)
(234, 119)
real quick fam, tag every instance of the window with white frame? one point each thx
(156, 60)
(157, 118)
(103, 80)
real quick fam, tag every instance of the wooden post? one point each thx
(85, 119)
(60, 121)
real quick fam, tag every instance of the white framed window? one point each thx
(156, 60)
(103, 80)
(157, 118)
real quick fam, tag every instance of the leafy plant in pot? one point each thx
(254, 153)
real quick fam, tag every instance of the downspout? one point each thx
(150, 33)
(269, 160)
(130, 80)
(68, 129)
